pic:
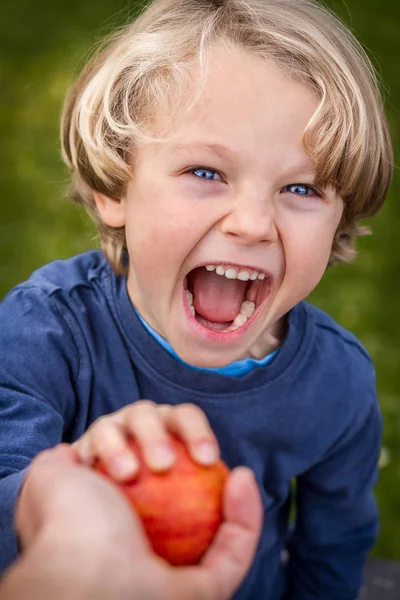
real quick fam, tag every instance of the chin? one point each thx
(205, 359)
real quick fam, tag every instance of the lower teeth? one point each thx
(240, 320)
(246, 311)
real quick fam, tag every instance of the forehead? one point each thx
(245, 104)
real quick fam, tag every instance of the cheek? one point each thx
(307, 257)
(160, 232)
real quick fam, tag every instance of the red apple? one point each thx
(181, 509)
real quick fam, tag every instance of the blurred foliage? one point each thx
(42, 48)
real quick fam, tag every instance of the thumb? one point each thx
(230, 556)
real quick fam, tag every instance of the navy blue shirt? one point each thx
(73, 349)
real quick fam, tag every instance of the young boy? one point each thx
(227, 150)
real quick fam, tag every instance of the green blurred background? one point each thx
(42, 47)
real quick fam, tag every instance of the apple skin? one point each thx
(181, 509)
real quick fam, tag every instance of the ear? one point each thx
(112, 212)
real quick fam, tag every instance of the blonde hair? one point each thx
(147, 62)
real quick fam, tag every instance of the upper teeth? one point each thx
(234, 273)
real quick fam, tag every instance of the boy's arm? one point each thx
(38, 363)
(337, 521)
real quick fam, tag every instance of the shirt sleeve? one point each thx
(38, 366)
(337, 520)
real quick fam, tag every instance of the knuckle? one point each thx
(191, 411)
(83, 447)
(164, 410)
(79, 444)
(104, 433)
(151, 432)
(144, 405)
(101, 426)
(102, 421)
(186, 407)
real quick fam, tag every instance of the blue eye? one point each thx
(301, 189)
(209, 174)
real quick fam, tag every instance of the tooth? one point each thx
(220, 270)
(261, 276)
(189, 297)
(253, 276)
(191, 308)
(240, 320)
(243, 275)
(210, 267)
(247, 309)
(231, 273)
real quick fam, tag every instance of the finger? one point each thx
(83, 448)
(147, 426)
(109, 442)
(232, 551)
(190, 424)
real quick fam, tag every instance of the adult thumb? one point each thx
(231, 554)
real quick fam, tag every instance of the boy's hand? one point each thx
(150, 424)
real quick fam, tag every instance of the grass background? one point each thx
(42, 47)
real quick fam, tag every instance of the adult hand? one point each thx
(81, 537)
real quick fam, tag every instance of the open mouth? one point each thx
(224, 297)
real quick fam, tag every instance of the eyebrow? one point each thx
(218, 149)
(295, 170)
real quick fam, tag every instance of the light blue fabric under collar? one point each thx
(235, 369)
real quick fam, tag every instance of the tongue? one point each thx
(216, 298)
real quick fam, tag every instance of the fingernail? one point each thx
(161, 456)
(205, 453)
(124, 466)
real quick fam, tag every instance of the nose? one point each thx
(251, 219)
